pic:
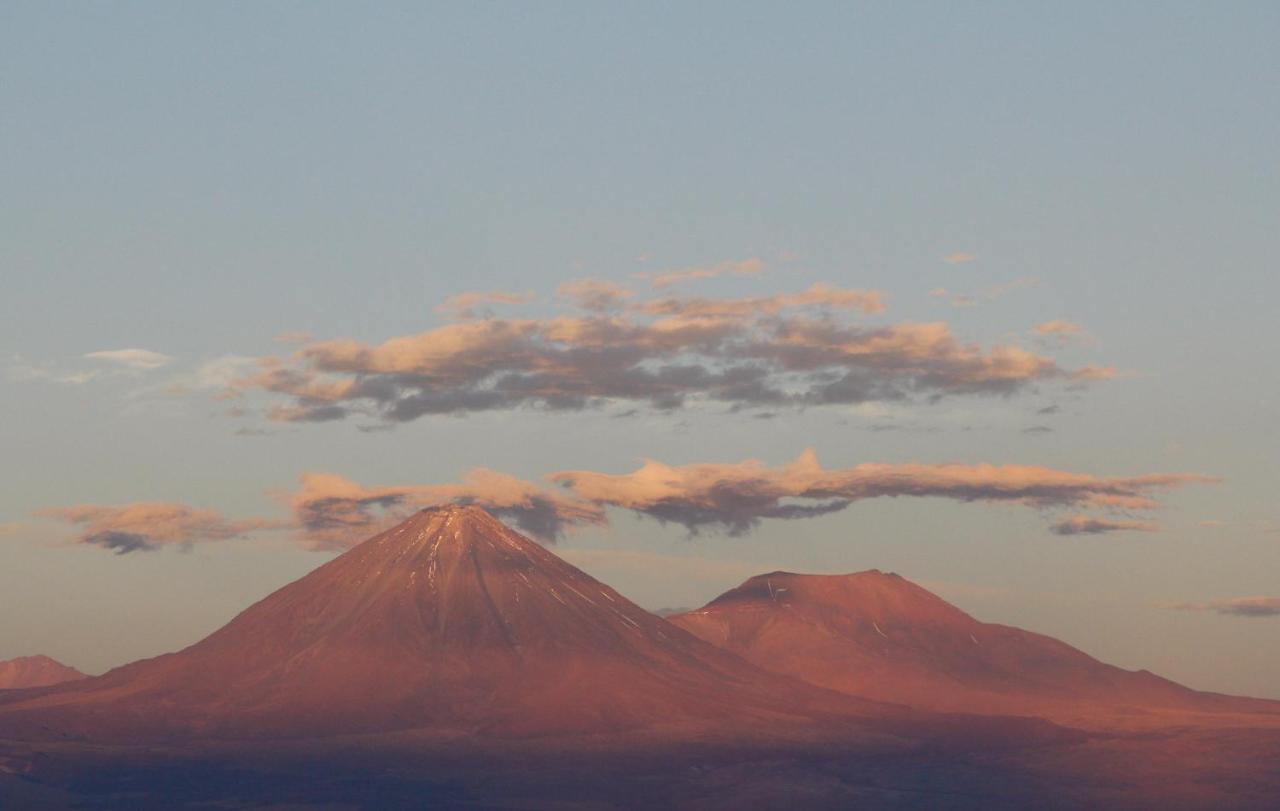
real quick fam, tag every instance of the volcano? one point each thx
(882, 637)
(448, 621)
(35, 671)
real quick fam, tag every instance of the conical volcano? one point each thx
(447, 621)
(882, 637)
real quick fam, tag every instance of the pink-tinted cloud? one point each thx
(595, 295)
(1092, 373)
(791, 349)
(475, 303)
(744, 267)
(959, 258)
(736, 496)
(333, 512)
(1238, 607)
(1059, 328)
(973, 298)
(143, 360)
(1094, 525)
(149, 525)
(819, 295)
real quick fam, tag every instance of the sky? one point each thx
(983, 294)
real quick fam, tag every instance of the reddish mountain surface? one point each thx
(882, 637)
(448, 621)
(35, 671)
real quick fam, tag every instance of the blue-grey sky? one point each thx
(194, 181)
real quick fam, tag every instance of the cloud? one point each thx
(333, 512)
(789, 349)
(1092, 373)
(1091, 525)
(745, 267)
(1060, 329)
(139, 359)
(216, 374)
(985, 294)
(818, 295)
(24, 372)
(329, 513)
(1238, 607)
(958, 258)
(595, 295)
(298, 336)
(115, 363)
(475, 303)
(735, 497)
(149, 525)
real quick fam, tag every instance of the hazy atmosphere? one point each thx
(983, 295)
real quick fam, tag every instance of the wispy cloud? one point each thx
(23, 372)
(149, 525)
(1238, 607)
(819, 295)
(477, 303)
(595, 295)
(215, 375)
(112, 363)
(959, 258)
(332, 512)
(1060, 329)
(735, 497)
(139, 359)
(744, 267)
(985, 294)
(1092, 525)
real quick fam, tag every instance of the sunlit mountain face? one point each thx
(448, 621)
(460, 654)
(880, 636)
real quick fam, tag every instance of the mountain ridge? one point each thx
(449, 621)
(877, 635)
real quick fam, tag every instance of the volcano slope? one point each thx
(882, 637)
(452, 663)
(449, 621)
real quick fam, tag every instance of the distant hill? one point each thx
(35, 671)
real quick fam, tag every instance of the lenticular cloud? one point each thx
(665, 353)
